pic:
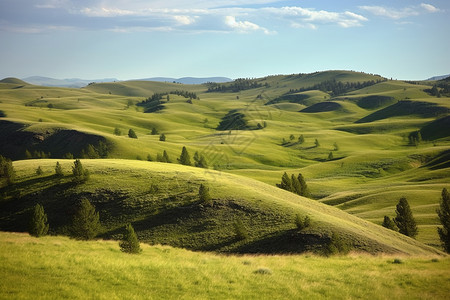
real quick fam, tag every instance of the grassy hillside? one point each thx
(57, 267)
(373, 164)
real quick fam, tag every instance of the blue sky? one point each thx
(129, 39)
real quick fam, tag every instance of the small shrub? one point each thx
(263, 271)
(39, 171)
(302, 223)
(397, 261)
(132, 134)
(58, 170)
(240, 230)
(162, 137)
(203, 194)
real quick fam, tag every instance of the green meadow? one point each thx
(348, 133)
(57, 267)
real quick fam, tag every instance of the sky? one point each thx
(131, 39)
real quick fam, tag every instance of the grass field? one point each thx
(57, 267)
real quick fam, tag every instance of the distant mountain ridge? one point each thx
(189, 80)
(68, 82)
(439, 77)
(78, 82)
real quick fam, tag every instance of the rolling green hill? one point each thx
(366, 130)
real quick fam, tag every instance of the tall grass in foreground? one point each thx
(57, 267)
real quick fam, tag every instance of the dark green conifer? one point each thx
(58, 170)
(389, 224)
(38, 224)
(86, 222)
(404, 219)
(286, 183)
(130, 243)
(444, 216)
(203, 194)
(185, 158)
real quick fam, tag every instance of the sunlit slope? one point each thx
(32, 268)
(161, 200)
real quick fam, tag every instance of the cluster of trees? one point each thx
(336, 88)
(415, 138)
(85, 225)
(37, 154)
(442, 88)
(405, 223)
(184, 159)
(237, 85)
(154, 102)
(296, 185)
(99, 151)
(233, 120)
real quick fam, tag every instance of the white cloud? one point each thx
(396, 14)
(243, 26)
(429, 7)
(185, 20)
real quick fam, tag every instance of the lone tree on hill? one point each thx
(162, 137)
(132, 134)
(404, 219)
(38, 224)
(154, 131)
(86, 222)
(444, 216)
(389, 224)
(316, 143)
(185, 158)
(58, 170)
(203, 194)
(301, 139)
(79, 173)
(130, 242)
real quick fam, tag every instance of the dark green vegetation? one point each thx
(353, 136)
(444, 217)
(130, 242)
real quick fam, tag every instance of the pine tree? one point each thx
(291, 137)
(389, 224)
(166, 157)
(203, 194)
(86, 222)
(130, 242)
(58, 170)
(316, 143)
(91, 152)
(154, 131)
(185, 158)
(162, 137)
(132, 134)
(39, 171)
(38, 224)
(330, 156)
(305, 190)
(404, 219)
(301, 139)
(296, 186)
(28, 154)
(79, 173)
(7, 170)
(117, 131)
(444, 216)
(286, 183)
(149, 157)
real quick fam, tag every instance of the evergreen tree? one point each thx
(389, 223)
(162, 137)
(291, 137)
(28, 154)
(132, 134)
(7, 170)
(185, 158)
(154, 131)
(286, 183)
(91, 152)
(316, 143)
(203, 194)
(330, 156)
(117, 131)
(305, 190)
(296, 186)
(58, 170)
(39, 171)
(130, 242)
(302, 223)
(86, 222)
(301, 139)
(166, 157)
(404, 219)
(444, 216)
(38, 224)
(200, 161)
(149, 157)
(79, 173)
